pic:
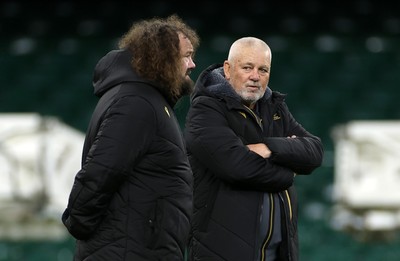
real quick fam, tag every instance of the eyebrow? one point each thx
(188, 52)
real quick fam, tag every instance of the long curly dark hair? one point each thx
(154, 44)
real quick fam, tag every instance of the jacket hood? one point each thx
(112, 69)
(212, 82)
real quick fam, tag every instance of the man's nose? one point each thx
(191, 64)
(255, 76)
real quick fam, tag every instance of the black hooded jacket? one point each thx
(237, 192)
(132, 198)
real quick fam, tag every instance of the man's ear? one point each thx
(227, 68)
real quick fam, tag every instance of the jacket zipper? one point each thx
(270, 229)
(271, 221)
(272, 206)
(271, 199)
(289, 254)
(289, 204)
(258, 119)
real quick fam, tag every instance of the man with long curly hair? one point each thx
(132, 197)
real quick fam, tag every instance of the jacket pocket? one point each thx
(154, 222)
(205, 211)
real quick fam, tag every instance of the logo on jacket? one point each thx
(166, 110)
(276, 117)
(243, 114)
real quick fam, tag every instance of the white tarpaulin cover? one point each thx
(367, 173)
(39, 157)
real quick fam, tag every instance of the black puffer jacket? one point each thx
(233, 184)
(132, 198)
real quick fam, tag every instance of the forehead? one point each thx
(254, 55)
(185, 43)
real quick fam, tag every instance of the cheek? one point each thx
(238, 82)
(242, 79)
(184, 65)
(265, 80)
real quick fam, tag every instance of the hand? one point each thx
(261, 149)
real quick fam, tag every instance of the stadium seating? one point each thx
(337, 62)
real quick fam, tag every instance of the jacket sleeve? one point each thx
(212, 142)
(302, 154)
(122, 138)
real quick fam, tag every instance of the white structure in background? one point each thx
(367, 176)
(39, 157)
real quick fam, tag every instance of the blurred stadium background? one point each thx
(337, 60)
